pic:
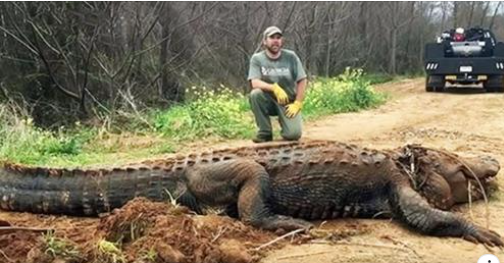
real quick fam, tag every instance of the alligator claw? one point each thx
(286, 223)
(484, 236)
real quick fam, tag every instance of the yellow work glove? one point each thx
(280, 94)
(293, 109)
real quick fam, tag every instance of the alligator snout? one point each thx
(484, 168)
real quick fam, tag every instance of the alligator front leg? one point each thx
(412, 209)
(244, 183)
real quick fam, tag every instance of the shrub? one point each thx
(348, 92)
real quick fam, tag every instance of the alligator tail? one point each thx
(81, 192)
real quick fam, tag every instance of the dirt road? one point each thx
(464, 121)
(460, 120)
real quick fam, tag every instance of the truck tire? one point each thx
(435, 83)
(494, 84)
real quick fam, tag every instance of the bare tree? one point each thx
(74, 60)
(492, 20)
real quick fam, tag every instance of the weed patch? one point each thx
(59, 248)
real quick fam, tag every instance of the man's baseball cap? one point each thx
(271, 31)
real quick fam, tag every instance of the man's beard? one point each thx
(274, 49)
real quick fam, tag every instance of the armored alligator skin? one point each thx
(275, 185)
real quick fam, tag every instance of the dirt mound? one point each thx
(141, 231)
(174, 234)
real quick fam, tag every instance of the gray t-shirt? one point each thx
(286, 70)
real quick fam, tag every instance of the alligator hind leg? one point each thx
(242, 182)
(252, 203)
(413, 210)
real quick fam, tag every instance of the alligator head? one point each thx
(446, 179)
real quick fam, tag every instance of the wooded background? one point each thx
(65, 61)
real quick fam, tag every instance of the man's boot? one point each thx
(263, 138)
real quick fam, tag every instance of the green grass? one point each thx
(221, 113)
(348, 92)
(109, 252)
(57, 247)
(209, 114)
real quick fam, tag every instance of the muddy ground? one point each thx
(466, 121)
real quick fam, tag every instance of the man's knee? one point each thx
(256, 94)
(292, 135)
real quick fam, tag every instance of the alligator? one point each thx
(276, 186)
